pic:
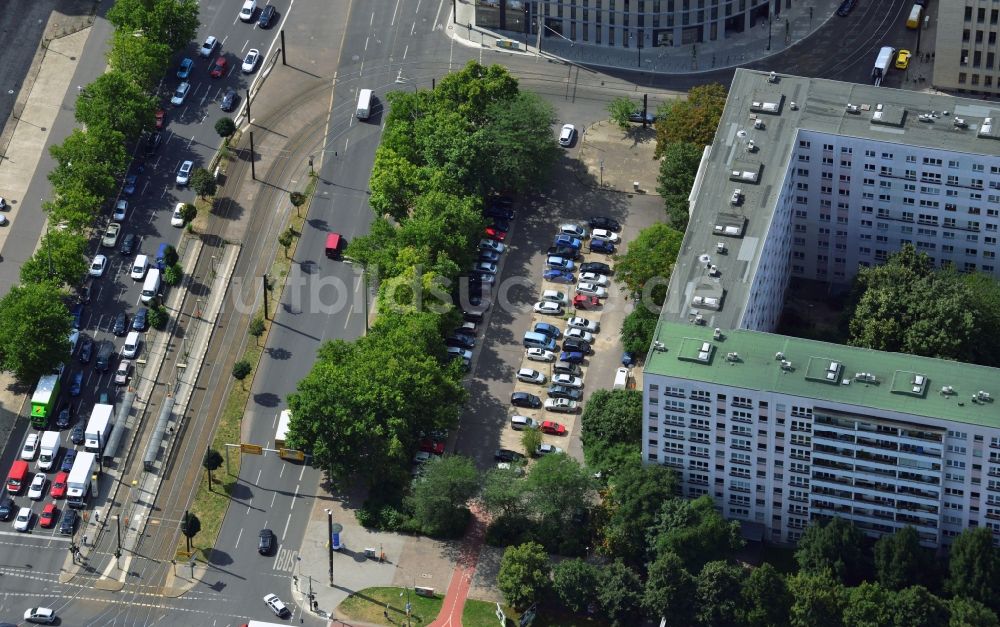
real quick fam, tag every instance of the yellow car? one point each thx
(903, 60)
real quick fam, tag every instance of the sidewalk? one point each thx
(793, 25)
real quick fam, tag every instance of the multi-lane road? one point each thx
(399, 44)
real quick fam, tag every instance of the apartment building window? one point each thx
(804, 143)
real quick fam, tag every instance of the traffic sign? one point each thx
(291, 454)
(252, 449)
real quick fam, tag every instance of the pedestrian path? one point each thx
(766, 38)
(461, 579)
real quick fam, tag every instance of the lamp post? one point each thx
(329, 538)
(118, 528)
(311, 171)
(769, 31)
(638, 50)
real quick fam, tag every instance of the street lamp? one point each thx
(638, 50)
(311, 171)
(329, 538)
(769, 31)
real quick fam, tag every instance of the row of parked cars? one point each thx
(561, 350)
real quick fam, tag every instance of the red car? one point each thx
(160, 113)
(585, 302)
(428, 445)
(495, 234)
(48, 517)
(553, 428)
(58, 489)
(218, 68)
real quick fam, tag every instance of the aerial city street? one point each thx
(232, 205)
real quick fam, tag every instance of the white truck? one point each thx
(78, 483)
(99, 427)
(882, 62)
(49, 450)
(282, 431)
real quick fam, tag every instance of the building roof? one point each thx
(752, 360)
(763, 119)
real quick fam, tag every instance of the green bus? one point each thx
(43, 401)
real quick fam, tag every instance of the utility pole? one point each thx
(329, 538)
(253, 169)
(248, 105)
(283, 61)
(263, 281)
(118, 528)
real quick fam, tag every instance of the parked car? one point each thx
(184, 70)
(184, 173)
(605, 234)
(579, 322)
(559, 263)
(456, 352)
(590, 289)
(565, 367)
(593, 277)
(30, 447)
(549, 330)
(76, 384)
(507, 455)
(539, 354)
(177, 217)
(250, 61)
(47, 519)
(602, 246)
(571, 357)
(485, 266)
(489, 256)
(563, 251)
(86, 350)
(530, 375)
(562, 391)
(76, 436)
(70, 456)
(228, 102)
(495, 234)
(582, 301)
(488, 244)
(638, 117)
(566, 135)
(180, 94)
(432, 446)
(561, 405)
(573, 344)
(23, 519)
(129, 243)
(548, 308)
(129, 186)
(602, 222)
(580, 334)
(37, 488)
(110, 238)
(64, 418)
(119, 325)
(68, 525)
(122, 373)
(7, 508)
(219, 67)
(558, 276)
(523, 399)
(272, 600)
(153, 141)
(568, 241)
(208, 47)
(597, 267)
(575, 230)
(139, 321)
(266, 16)
(461, 341)
(547, 449)
(845, 8)
(568, 380)
(159, 118)
(553, 428)
(246, 15)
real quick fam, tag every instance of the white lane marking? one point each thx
(245, 44)
(274, 495)
(405, 50)
(418, 7)
(396, 8)
(413, 28)
(366, 43)
(302, 473)
(294, 497)
(287, 522)
(437, 16)
(237, 545)
(371, 21)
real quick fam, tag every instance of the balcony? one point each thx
(816, 477)
(819, 461)
(919, 478)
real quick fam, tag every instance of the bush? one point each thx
(170, 256)
(158, 317)
(225, 127)
(173, 274)
(203, 183)
(509, 530)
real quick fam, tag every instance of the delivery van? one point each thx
(151, 286)
(914, 21)
(621, 379)
(364, 104)
(17, 476)
(333, 243)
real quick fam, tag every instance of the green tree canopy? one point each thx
(145, 61)
(694, 531)
(974, 567)
(74, 207)
(211, 463)
(520, 143)
(558, 489)
(638, 329)
(968, 613)
(620, 108)
(440, 496)
(203, 182)
(692, 120)
(645, 269)
(395, 183)
(116, 101)
(868, 604)
(678, 169)
(503, 492)
(917, 607)
(719, 594)
(59, 258)
(765, 598)
(473, 89)
(225, 127)
(836, 546)
(34, 331)
(635, 494)
(670, 591)
(576, 582)
(90, 160)
(900, 561)
(170, 22)
(611, 417)
(818, 600)
(524, 574)
(620, 594)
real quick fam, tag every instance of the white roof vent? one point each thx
(794, 106)
(983, 397)
(659, 346)
(947, 390)
(853, 108)
(786, 365)
(732, 357)
(772, 78)
(717, 334)
(779, 356)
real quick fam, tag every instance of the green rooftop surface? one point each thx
(903, 383)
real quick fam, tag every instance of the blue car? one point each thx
(567, 240)
(558, 276)
(129, 187)
(628, 359)
(551, 331)
(68, 459)
(601, 246)
(76, 312)
(139, 320)
(76, 384)
(185, 69)
(571, 357)
(559, 263)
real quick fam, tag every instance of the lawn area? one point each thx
(210, 506)
(368, 605)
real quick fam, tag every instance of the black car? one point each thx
(575, 344)
(68, 459)
(139, 320)
(266, 542)
(86, 350)
(845, 8)
(523, 399)
(85, 293)
(128, 244)
(461, 341)
(596, 266)
(7, 508)
(266, 16)
(228, 100)
(603, 222)
(562, 391)
(566, 252)
(153, 141)
(565, 367)
(507, 455)
(501, 225)
(65, 416)
(120, 325)
(636, 116)
(76, 436)
(498, 211)
(68, 524)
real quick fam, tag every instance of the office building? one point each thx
(965, 47)
(814, 179)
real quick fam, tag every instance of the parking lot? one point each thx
(574, 195)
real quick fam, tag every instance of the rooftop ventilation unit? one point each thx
(926, 117)
(960, 123)
(779, 356)
(865, 377)
(786, 365)
(853, 108)
(659, 346)
(947, 390)
(794, 106)
(772, 78)
(717, 334)
(983, 397)
(734, 357)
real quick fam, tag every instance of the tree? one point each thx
(241, 370)
(158, 317)
(695, 531)
(188, 212)
(645, 269)
(837, 546)
(692, 120)
(286, 238)
(974, 567)
(670, 591)
(190, 526)
(620, 594)
(818, 600)
(256, 328)
(74, 207)
(137, 56)
(968, 613)
(503, 492)
(766, 598)
(635, 494)
(869, 604)
(116, 101)
(531, 439)
(395, 183)
(719, 594)
(611, 417)
(678, 169)
(225, 127)
(59, 258)
(170, 256)
(900, 561)
(558, 489)
(90, 160)
(203, 183)
(170, 22)
(471, 90)
(212, 462)
(638, 329)
(297, 199)
(619, 109)
(34, 330)
(678, 210)
(524, 574)
(917, 607)
(439, 499)
(520, 143)
(575, 582)
(172, 274)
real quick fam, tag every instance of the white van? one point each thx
(364, 104)
(151, 286)
(132, 341)
(139, 267)
(621, 379)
